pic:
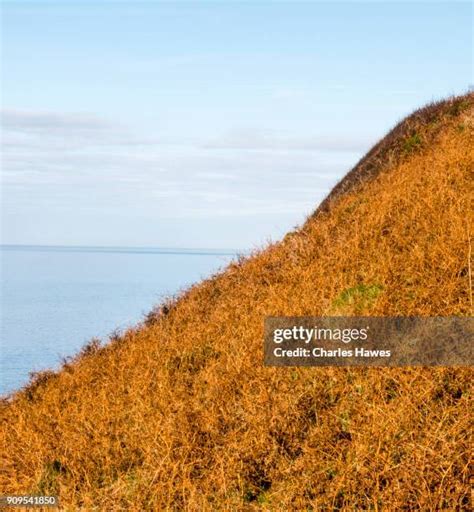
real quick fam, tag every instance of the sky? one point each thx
(205, 124)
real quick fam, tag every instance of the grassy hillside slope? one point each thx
(180, 414)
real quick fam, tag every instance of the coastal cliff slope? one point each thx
(179, 413)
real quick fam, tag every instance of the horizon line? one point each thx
(195, 251)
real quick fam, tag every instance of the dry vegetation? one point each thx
(180, 414)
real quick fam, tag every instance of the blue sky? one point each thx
(205, 124)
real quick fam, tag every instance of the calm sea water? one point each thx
(53, 301)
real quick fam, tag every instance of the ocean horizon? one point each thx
(54, 299)
(123, 249)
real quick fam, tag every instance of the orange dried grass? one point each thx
(180, 414)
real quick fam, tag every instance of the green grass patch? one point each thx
(458, 107)
(48, 483)
(412, 143)
(358, 298)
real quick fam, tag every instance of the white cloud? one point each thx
(82, 161)
(26, 129)
(22, 121)
(281, 142)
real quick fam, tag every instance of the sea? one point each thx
(55, 299)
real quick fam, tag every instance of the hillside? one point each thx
(180, 414)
